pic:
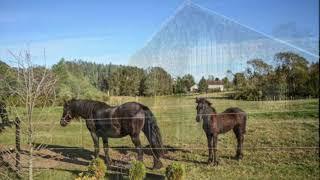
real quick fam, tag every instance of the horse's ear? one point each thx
(64, 101)
(197, 99)
(209, 103)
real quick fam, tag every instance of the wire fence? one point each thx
(177, 133)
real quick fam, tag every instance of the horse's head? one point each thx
(67, 114)
(202, 108)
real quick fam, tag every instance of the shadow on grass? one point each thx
(147, 149)
(72, 171)
(168, 148)
(70, 154)
(185, 160)
(74, 155)
(110, 174)
(80, 156)
(119, 176)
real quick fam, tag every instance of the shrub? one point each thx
(96, 170)
(175, 171)
(137, 171)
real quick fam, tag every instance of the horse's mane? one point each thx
(204, 100)
(87, 106)
(213, 109)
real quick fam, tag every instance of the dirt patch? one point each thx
(68, 158)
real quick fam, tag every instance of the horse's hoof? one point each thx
(216, 163)
(157, 165)
(210, 161)
(238, 157)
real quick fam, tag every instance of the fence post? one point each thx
(18, 148)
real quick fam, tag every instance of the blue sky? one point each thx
(104, 31)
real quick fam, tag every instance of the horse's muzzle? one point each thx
(63, 122)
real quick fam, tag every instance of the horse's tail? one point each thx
(152, 132)
(245, 117)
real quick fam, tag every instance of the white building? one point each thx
(215, 85)
(194, 88)
(212, 85)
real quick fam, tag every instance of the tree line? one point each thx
(289, 76)
(116, 80)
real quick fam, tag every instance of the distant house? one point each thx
(215, 85)
(194, 88)
(212, 85)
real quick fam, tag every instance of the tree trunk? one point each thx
(30, 140)
(18, 149)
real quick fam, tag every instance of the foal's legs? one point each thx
(95, 139)
(106, 150)
(215, 144)
(210, 145)
(136, 141)
(239, 134)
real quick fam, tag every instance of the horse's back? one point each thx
(131, 117)
(129, 109)
(233, 110)
(238, 115)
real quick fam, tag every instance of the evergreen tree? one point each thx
(203, 85)
(126, 81)
(188, 82)
(180, 86)
(313, 80)
(294, 69)
(158, 82)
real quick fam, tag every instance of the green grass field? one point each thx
(281, 142)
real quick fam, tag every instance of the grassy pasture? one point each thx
(281, 141)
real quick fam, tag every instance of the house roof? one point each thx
(211, 82)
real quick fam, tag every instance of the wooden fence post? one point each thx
(18, 148)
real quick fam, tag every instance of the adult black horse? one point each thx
(213, 124)
(107, 121)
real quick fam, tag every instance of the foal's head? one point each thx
(67, 114)
(203, 107)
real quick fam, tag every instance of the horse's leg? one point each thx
(136, 141)
(1, 123)
(95, 139)
(106, 150)
(237, 131)
(210, 144)
(215, 144)
(3, 119)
